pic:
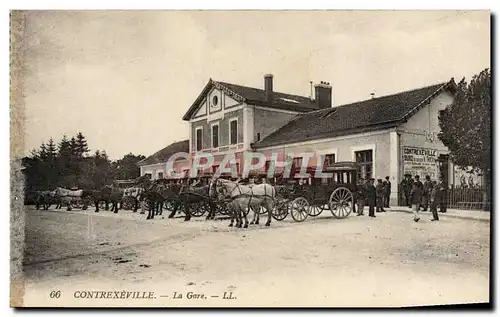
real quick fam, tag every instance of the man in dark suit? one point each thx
(418, 182)
(443, 198)
(426, 192)
(406, 186)
(371, 197)
(380, 190)
(387, 186)
(434, 199)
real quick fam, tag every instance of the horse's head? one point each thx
(58, 191)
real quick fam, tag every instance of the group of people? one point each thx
(425, 195)
(417, 195)
(373, 195)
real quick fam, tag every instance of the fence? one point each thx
(467, 198)
(461, 198)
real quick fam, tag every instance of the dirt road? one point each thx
(358, 261)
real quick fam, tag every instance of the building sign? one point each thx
(421, 162)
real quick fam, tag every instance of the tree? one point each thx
(50, 165)
(51, 149)
(42, 153)
(103, 172)
(126, 167)
(64, 149)
(466, 126)
(81, 145)
(67, 164)
(64, 163)
(73, 146)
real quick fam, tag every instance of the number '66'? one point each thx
(55, 294)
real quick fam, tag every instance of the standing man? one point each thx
(434, 198)
(443, 199)
(371, 197)
(426, 193)
(387, 185)
(421, 186)
(406, 186)
(418, 182)
(361, 196)
(380, 190)
(416, 200)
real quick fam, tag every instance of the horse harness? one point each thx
(241, 194)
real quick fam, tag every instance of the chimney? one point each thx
(268, 87)
(323, 93)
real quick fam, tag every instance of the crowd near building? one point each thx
(391, 135)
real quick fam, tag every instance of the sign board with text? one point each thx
(420, 161)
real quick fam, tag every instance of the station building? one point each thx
(387, 136)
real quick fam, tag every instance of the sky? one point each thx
(125, 78)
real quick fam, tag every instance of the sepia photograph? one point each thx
(250, 158)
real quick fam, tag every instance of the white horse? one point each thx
(67, 196)
(242, 197)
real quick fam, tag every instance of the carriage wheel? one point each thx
(341, 202)
(77, 204)
(198, 210)
(102, 205)
(180, 206)
(299, 209)
(280, 210)
(315, 211)
(127, 203)
(222, 208)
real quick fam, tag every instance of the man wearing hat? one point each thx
(421, 186)
(427, 192)
(442, 195)
(434, 199)
(371, 197)
(380, 191)
(406, 186)
(387, 196)
(360, 196)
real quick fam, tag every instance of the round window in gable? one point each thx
(215, 100)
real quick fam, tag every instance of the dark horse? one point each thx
(193, 197)
(156, 194)
(44, 199)
(108, 194)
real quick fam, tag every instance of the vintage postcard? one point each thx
(250, 158)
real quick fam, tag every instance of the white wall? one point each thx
(422, 128)
(154, 170)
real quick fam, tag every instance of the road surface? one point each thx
(358, 261)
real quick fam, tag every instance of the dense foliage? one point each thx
(68, 164)
(466, 126)
(466, 123)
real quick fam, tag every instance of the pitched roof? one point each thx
(164, 154)
(363, 116)
(255, 96)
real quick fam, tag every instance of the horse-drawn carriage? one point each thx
(311, 195)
